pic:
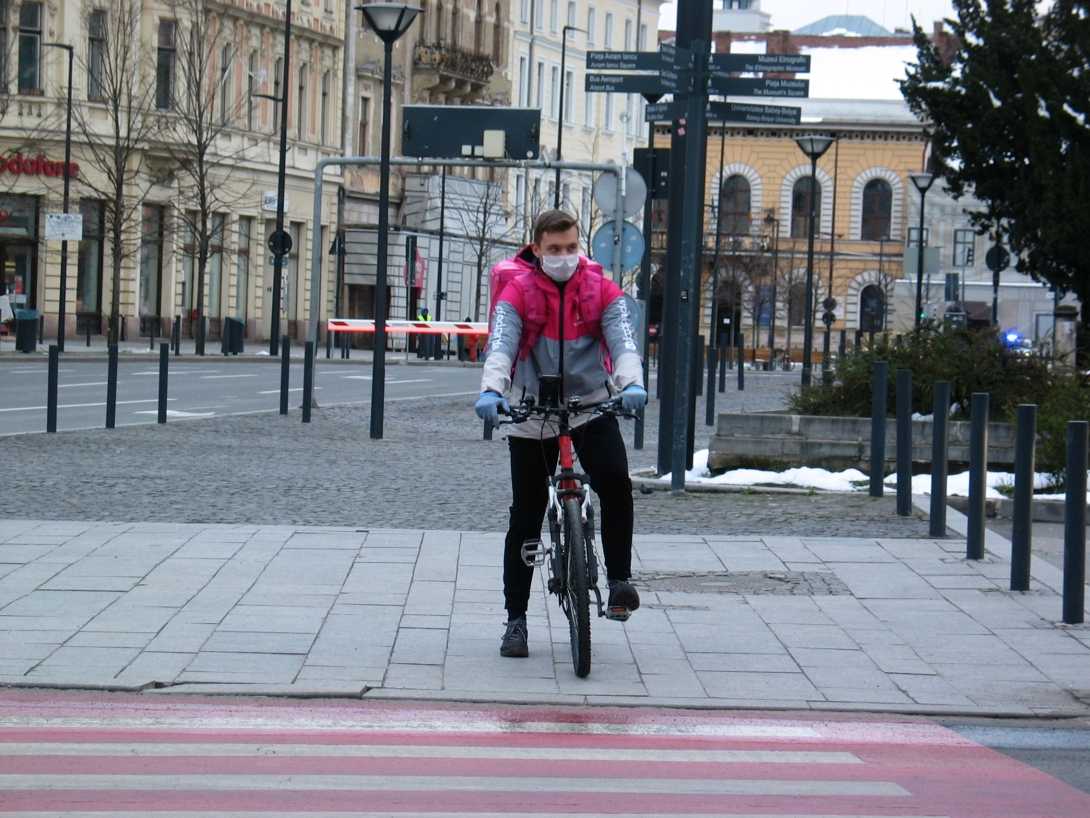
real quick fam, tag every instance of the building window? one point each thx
(151, 260)
(592, 19)
(5, 19)
(96, 53)
(609, 30)
(524, 75)
(89, 264)
(242, 268)
(455, 21)
(643, 38)
(438, 23)
(877, 210)
(226, 53)
(497, 36)
(539, 23)
(914, 237)
(554, 16)
(627, 35)
(251, 88)
(323, 123)
(569, 97)
(30, 47)
(540, 84)
(364, 132)
(872, 308)
(610, 109)
(301, 106)
(571, 20)
(215, 265)
(800, 207)
(734, 206)
(964, 248)
(554, 93)
(588, 110)
(796, 303)
(164, 66)
(524, 14)
(478, 29)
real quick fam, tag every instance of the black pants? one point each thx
(603, 458)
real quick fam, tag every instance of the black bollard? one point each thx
(164, 364)
(88, 327)
(51, 389)
(487, 430)
(285, 372)
(41, 329)
(308, 379)
(978, 476)
(176, 335)
(858, 338)
(826, 369)
(346, 343)
(730, 350)
(1075, 523)
(940, 464)
(740, 342)
(1022, 527)
(203, 330)
(878, 429)
(843, 344)
(151, 337)
(724, 354)
(111, 388)
(699, 365)
(904, 442)
(328, 344)
(709, 404)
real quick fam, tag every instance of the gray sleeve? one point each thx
(619, 332)
(503, 342)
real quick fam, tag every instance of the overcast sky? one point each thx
(793, 14)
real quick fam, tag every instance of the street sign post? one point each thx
(605, 241)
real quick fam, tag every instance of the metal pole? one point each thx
(1022, 528)
(904, 442)
(940, 447)
(282, 172)
(442, 226)
(1075, 523)
(111, 388)
(978, 475)
(919, 263)
(176, 335)
(560, 114)
(808, 318)
(775, 277)
(740, 342)
(713, 364)
(285, 373)
(67, 189)
(308, 379)
(378, 370)
(826, 370)
(878, 413)
(644, 293)
(164, 366)
(51, 389)
(725, 360)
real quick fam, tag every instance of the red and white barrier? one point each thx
(420, 327)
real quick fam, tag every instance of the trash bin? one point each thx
(26, 330)
(234, 332)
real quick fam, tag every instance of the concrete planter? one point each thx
(783, 441)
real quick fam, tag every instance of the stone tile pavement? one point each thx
(903, 625)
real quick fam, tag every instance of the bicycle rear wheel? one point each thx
(576, 600)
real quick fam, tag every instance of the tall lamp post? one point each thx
(389, 21)
(560, 113)
(922, 183)
(67, 189)
(813, 147)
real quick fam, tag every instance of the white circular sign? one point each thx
(605, 193)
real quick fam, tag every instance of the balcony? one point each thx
(446, 73)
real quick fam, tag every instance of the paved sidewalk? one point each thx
(876, 624)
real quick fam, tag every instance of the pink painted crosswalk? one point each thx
(83, 755)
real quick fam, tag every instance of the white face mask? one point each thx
(560, 268)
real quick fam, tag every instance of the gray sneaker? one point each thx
(514, 639)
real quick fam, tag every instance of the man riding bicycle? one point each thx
(557, 315)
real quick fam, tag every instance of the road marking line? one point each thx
(179, 372)
(293, 389)
(73, 385)
(148, 750)
(450, 783)
(178, 413)
(78, 405)
(214, 377)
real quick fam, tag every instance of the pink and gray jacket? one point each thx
(585, 346)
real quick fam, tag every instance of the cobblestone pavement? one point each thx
(431, 470)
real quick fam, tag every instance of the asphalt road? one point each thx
(201, 389)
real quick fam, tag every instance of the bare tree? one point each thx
(196, 136)
(478, 213)
(116, 132)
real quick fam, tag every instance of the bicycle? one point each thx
(572, 558)
(783, 361)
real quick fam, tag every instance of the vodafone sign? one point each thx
(40, 166)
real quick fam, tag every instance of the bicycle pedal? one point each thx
(535, 552)
(618, 614)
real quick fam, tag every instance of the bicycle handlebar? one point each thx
(608, 408)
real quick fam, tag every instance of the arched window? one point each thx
(872, 309)
(439, 22)
(424, 21)
(796, 303)
(497, 36)
(877, 210)
(734, 206)
(478, 28)
(455, 19)
(800, 206)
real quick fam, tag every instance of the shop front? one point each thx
(19, 251)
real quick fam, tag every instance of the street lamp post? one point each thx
(67, 190)
(813, 147)
(770, 219)
(560, 113)
(922, 183)
(389, 21)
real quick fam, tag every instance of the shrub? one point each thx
(972, 361)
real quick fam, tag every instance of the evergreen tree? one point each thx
(1010, 112)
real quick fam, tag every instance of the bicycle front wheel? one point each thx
(576, 594)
